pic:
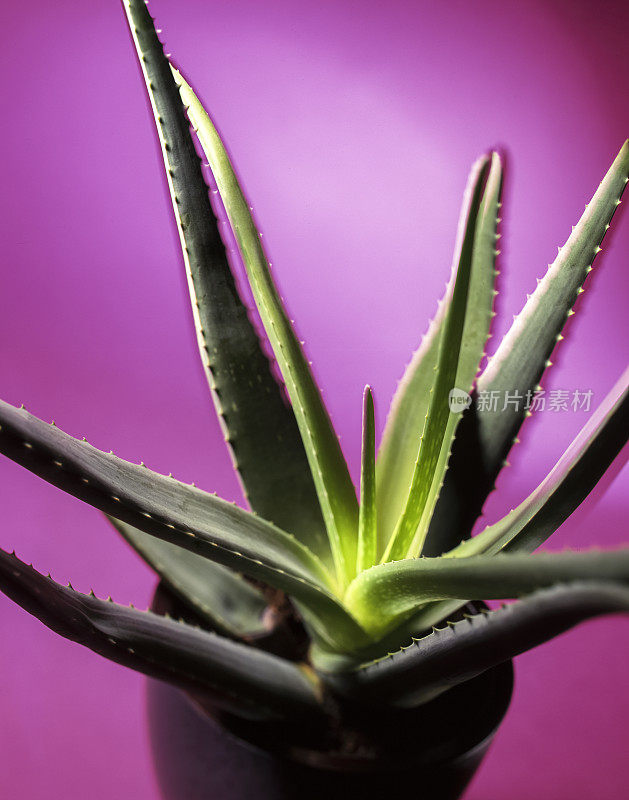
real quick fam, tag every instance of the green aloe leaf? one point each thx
(386, 594)
(336, 492)
(398, 450)
(367, 522)
(461, 348)
(238, 677)
(565, 487)
(259, 425)
(397, 454)
(182, 515)
(461, 650)
(519, 363)
(230, 604)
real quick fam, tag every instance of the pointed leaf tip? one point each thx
(367, 521)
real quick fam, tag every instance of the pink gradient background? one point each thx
(354, 125)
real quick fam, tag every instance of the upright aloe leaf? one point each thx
(398, 450)
(462, 650)
(182, 515)
(259, 426)
(334, 486)
(238, 677)
(367, 522)
(229, 603)
(461, 348)
(519, 362)
(565, 487)
(388, 593)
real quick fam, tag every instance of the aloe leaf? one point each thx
(461, 650)
(398, 450)
(260, 427)
(180, 514)
(336, 492)
(537, 517)
(565, 487)
(367, 523)
(229, 604)
(384, 595)
(247, 681)
(461, 348)
(399, 444)
(519, 363)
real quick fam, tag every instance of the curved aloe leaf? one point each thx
(336, 492)
(367, 530)
(247, 681)
(461, 348)
(464, 649)
(520, 361)
(398, 449)
(384, 595)
(180, 514)
(230, 604)
(259, 425)
(566, 486)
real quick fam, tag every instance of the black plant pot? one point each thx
(431, 752)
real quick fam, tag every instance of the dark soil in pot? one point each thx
(430, 753)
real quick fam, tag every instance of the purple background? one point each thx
(354, 124)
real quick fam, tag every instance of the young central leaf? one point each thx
(367, 533)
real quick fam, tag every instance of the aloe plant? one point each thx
(380, 584)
